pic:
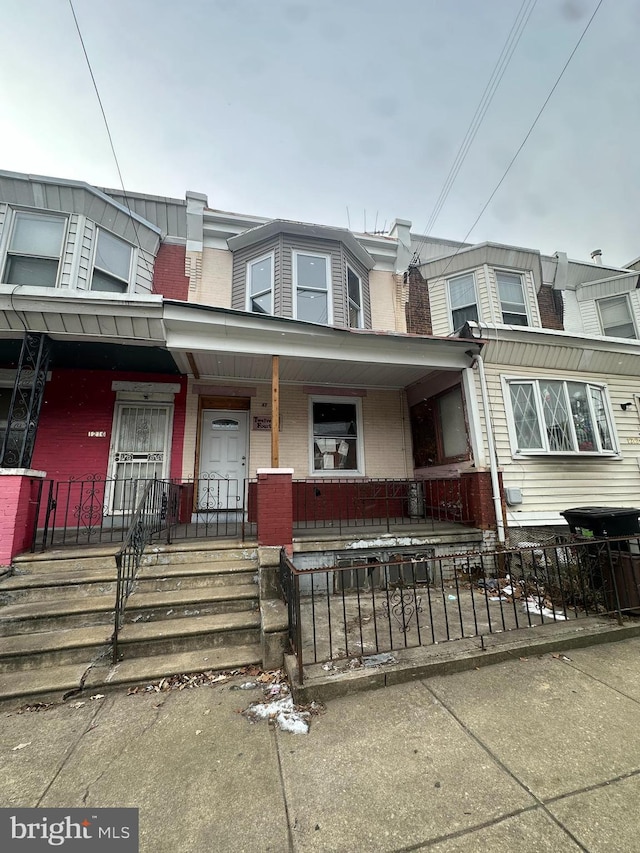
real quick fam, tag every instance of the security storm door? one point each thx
(140, 449)
(223, 456)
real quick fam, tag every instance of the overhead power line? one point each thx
(110, 137)
(502, 63)
(527, 135)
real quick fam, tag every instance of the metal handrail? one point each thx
(156, 511)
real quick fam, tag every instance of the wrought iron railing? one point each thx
(155, 513)
(94, 510)
(382, 607)
(383, 503)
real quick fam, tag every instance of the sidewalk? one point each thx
(535, 755)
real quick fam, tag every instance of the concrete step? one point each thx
(168, 636)
(68, 560)
(21, 588)
(40, 685)
(21, 652)
(55, 614)
(175, 604)
(185, 553)
(143, 670)
(195, 575)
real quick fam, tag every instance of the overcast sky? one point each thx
(301, 109)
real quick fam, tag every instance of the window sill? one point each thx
(565, 454)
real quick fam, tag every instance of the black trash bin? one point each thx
(620, 564)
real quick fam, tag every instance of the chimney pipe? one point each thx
(596, 256)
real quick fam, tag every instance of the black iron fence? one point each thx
(154, 514)
(374, 607)
(346, 503)
(98, 510)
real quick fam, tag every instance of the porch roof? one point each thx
(218, 343)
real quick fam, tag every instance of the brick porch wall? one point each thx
(18, 496)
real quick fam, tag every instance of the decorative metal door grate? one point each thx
(139, 450)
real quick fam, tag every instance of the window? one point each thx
(354, 294)
(462, 299)
(336, 433)
(511, 294)
(439, 430)
(34, 250)
(260, 285)
(111, 264)
(556, 416)
(616, 317)
(311, 285)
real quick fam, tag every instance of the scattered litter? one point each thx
(284, 714)
(198, 731)
(22, 745)
(508, 590)
(37, 706)
(378, 660)
(540, 610)
(97, 696)
(208, 711)
(208, 679)
(488, 583)
(328, 666)
(524, 660)
(561, 657)
(76, 704)
(498, 598)
(247, 685)
(452, 597)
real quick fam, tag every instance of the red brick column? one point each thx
(18, 495)
(477, 496)
(275, 506)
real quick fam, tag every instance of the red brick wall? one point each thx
(478, 499)
(77, 402)
(418, 307)
(168, 272)
(18, 496)
(550, 305)
(275, 501)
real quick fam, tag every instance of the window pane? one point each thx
(106, 283)
(525, 417)
(581, 414)
(602, 423)
(463, 315)
(262, 304)
(261, 276)
(354, 317)
(113, 255)
(37, 235)
(311, 271)
(312, 306)
(556, 416)
(41, 272)
(335, 445)
(616, 317)
(462, 291)
(454, 428)
(353, 284)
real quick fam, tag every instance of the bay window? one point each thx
(463, 300)
(511, 294)
(35, 247)
(354, 295)
(559, 416)
(111, 263)
(260, 285)
(311, 277)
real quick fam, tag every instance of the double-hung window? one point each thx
(35, 247)
(512, 303)
(559, 416)
(111, 263)
(336, 433)
(354, 295)
(312, 279)
(260, 285)
(616, 317)
(462, 300)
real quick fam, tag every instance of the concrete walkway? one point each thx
(539, 754)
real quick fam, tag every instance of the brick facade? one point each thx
(550, 305)
(477, 499)
(169, 277)
(18, 500)
(275, 505)
(418, 307)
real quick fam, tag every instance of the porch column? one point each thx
(18, 501)
(275, 506)
(275, 411)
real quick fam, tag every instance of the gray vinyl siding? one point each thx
(170, 215)
(68, 253)
(283, 247)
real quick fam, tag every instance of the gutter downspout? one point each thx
(493, 459)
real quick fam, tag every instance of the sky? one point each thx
(339, 112)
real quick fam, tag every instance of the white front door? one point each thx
(223, 459)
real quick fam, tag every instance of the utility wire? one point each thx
(502, 63)
(528, 134)
(113, 149)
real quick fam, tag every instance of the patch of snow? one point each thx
(540, 610)
(283, 713)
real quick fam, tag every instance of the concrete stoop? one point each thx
(193, 609)
(325, 681)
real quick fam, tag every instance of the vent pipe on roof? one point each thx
(596, 256)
